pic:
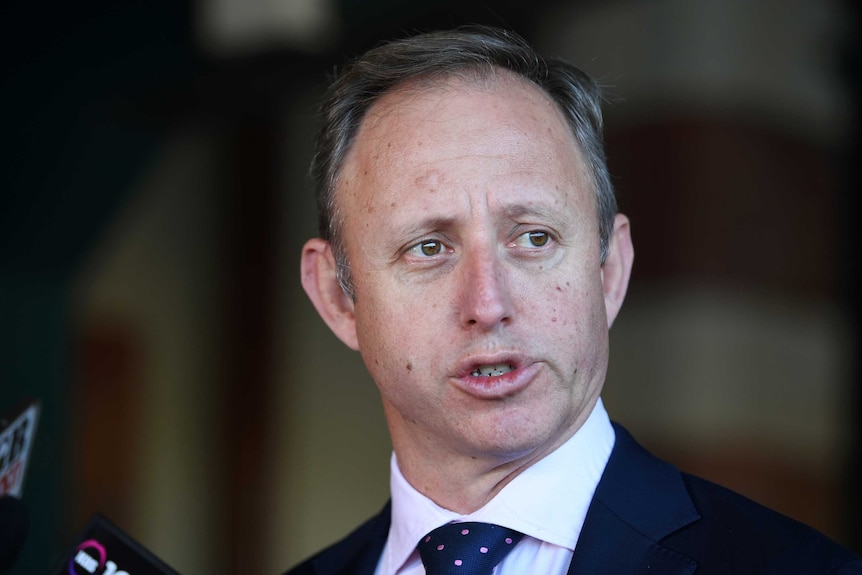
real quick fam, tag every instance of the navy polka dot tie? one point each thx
(466, 548)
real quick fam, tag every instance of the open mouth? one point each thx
(492, 370)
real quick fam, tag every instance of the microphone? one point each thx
(17, 434)
(14, 525)
(102, 548)
(16, 441)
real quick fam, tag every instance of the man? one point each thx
(471, 251)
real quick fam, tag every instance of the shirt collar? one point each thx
(571, 473)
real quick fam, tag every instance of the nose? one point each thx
(486, 301)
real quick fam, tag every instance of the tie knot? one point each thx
(466, 548)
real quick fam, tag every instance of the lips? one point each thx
(495, 377)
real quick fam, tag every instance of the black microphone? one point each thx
(14, 525)
(104, 548)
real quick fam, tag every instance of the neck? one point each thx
(463, 488)
(464, 482)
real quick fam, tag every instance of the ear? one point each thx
(618, 267)
(320, 281)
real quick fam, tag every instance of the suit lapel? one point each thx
(359, 552)
(639, 501)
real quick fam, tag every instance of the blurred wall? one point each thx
(733, 356)
(155, 281)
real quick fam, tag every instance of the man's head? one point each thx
(470, 52)
(483, 282)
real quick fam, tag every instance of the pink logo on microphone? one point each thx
(85, 560)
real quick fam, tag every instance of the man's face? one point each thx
(471, 231)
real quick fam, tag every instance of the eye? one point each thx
(534, 239)
(427, 248)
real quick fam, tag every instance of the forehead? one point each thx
(420, 129)
(504, 100)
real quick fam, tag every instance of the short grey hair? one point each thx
(474, 52)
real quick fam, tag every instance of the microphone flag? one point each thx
(16, 441)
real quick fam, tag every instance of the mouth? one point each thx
(492, 370)
(496, 377)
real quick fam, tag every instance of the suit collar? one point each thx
(639, 501)
(359, 552)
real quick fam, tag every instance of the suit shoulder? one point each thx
(734, 531)
(358, 552)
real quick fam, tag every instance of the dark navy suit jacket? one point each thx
(649, 518)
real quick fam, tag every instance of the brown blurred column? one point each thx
(249, 253)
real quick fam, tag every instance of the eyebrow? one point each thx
(426, 225)
(510, 212)
(540, 210)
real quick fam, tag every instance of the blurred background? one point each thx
(154, 199)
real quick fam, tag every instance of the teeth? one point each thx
(492, 370)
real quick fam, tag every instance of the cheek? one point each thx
(556, 306)
(393, 333)
(562, 303)
(569, 313)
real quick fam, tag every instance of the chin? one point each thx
(507, 442)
